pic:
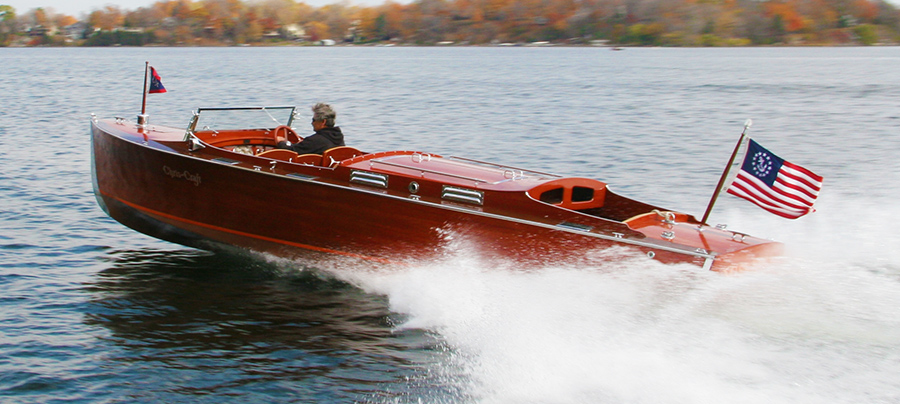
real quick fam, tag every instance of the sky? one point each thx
(76, 8)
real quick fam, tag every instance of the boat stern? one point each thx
(725, 250)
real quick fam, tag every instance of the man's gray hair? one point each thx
(324, 111)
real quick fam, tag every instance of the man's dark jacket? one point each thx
(317, 143)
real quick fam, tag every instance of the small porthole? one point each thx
(413, 187)
(651, 254)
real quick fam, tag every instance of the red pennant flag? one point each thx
(156, 85)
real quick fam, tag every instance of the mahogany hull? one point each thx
(151, 184)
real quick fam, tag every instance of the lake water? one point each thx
(91, 311)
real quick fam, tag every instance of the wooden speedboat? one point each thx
(221, 184)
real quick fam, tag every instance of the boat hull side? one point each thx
(178, 197)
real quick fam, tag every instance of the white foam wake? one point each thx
(818, 326)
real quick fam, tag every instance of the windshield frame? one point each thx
(280, 110)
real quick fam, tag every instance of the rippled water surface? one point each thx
(91, 311)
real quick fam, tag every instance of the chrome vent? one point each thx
(300, 176)
(224, 160)
(369, 178)
(463, 195)
(575, 226)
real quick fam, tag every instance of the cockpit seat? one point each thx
(279, 154)
(308, 159)
(335, 155)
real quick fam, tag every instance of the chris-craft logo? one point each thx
(762, 164)
(184, 175)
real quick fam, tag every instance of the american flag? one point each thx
(774, 184)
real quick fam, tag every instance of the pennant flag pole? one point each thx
(715, 195)
(142, 118)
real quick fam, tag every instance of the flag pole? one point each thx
(715, 196)
(142, 118)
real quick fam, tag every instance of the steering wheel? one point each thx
(287, 133)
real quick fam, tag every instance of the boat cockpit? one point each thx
(227, 128)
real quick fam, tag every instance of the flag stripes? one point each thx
(790, 191)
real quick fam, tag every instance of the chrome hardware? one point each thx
(257, 168)
(194, 144)
(143, 119)
(701, 251)
(413, 187)
(120, 120)
(274, 162)
(224, 160)
(721, 226)
(420, 157)
(369, 178)
(189, 132)
(739, 237)
(668, 235)
(513, 174)
(415, 197)
(667, 217)
(301, 176)
(463, 195)
(618, 235)
(651, 254)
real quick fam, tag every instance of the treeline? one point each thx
(424, 22)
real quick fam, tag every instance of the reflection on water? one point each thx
(227, 322)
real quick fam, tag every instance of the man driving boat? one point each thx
(327, 135)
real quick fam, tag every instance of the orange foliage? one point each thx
(480, 21)
(793, 21)
(865, 9)
(65, 20)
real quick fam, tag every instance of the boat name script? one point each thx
(185, 175)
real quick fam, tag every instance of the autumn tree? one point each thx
(108, 18)
(8, 24)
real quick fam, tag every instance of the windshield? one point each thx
(242, 118)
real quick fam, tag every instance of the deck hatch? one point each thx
(463, 195)
(369, 178)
